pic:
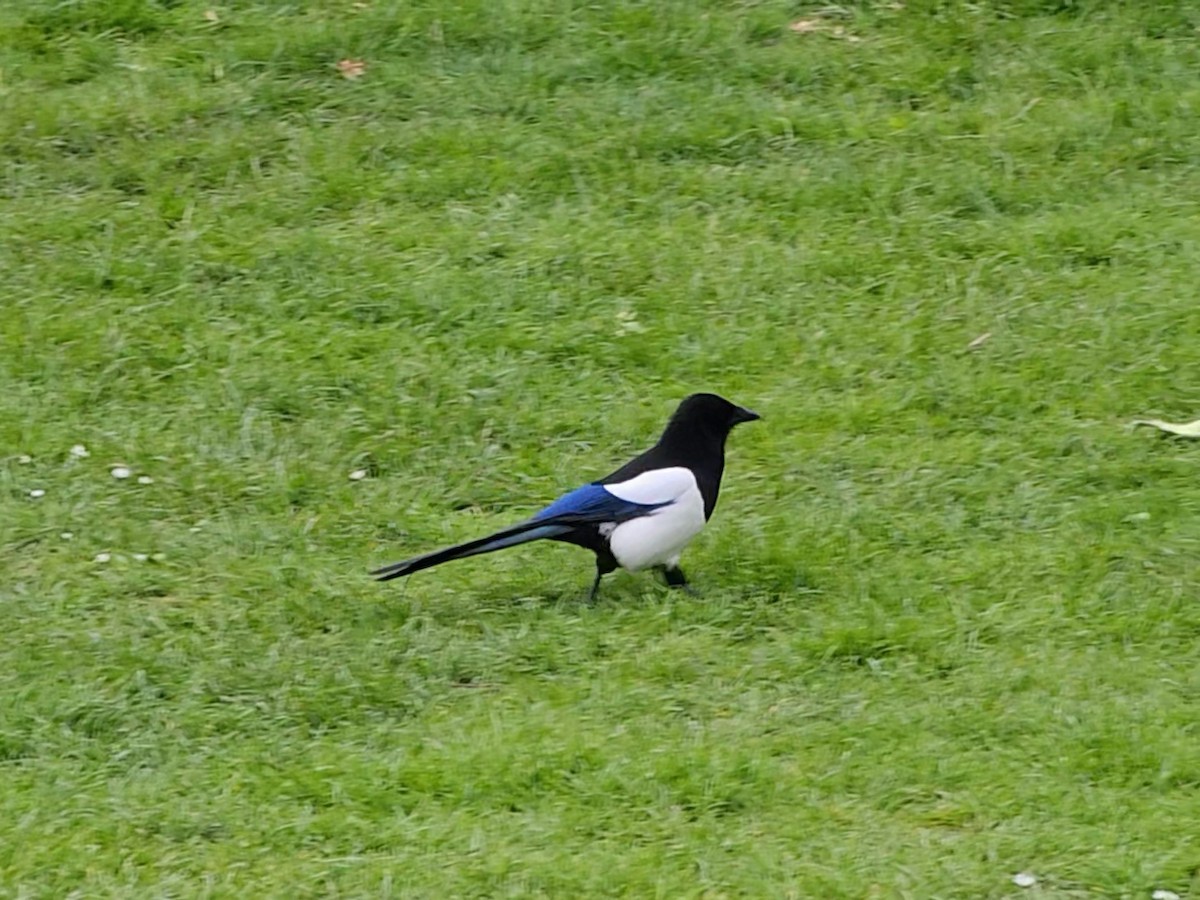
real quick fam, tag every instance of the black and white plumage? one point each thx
(640, 516)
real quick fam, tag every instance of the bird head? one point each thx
(710, 413)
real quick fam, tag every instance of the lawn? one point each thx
(949, 620)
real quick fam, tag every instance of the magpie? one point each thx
(640, 516)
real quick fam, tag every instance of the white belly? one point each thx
(659, 537)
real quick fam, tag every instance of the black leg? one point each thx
(676, 579)
(595, 585)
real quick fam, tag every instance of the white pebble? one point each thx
(145, 479)
(103, 557)
(140, 557)
(66, 535)
(37, 493)
(1024, 879)
(24, 459)
(80, 452)
(121, 472)
(358, 474)
(1160, 894)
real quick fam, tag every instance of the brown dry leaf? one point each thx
(352, 68)
(980, 341)
(805, 26)
(210, 15)
(1188, 429)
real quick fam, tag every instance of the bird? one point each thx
(640, 516)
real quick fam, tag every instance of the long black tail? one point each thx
(509, 537)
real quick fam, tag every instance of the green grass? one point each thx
(949, 627)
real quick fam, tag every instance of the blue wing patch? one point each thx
(596, 504)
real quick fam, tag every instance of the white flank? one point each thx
(659, 537)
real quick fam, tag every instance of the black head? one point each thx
(709, 414)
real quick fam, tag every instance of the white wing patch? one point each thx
(659, 537)
(655, 486)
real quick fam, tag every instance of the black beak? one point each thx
(741, 414)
